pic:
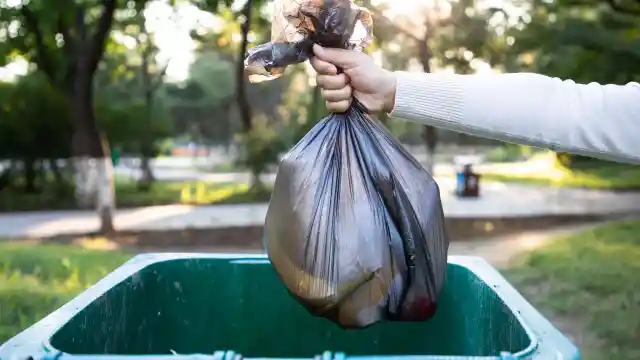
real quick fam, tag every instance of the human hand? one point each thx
(374, 87)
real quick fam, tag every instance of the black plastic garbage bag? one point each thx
(355, 226)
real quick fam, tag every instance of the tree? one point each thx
(34, 129)
(259, 149)
(150, 83)
(583, 40)
(128, 108)
(426, 22)
(203, 101)
(241, 92)
(66, 40)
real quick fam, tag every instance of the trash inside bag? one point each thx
(355, 226)
(297, 24)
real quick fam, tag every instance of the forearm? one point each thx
(595, 120)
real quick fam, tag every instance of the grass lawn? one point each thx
(37, 279)
(588, 284)
(197, 193)
(543, 170)
(128, 195)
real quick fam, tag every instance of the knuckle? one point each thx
(330, 95)
(315, 64)
(344, 80)
(332, 83)
(330, 106)
(326, 68)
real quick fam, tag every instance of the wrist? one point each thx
(389, 93)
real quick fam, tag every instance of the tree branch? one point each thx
(158, 80)
(621, 9)
(69, 51)
(43, 56)
(98, 42)
(241, 91)
(81, 26)
(387, 21)
(64, 30)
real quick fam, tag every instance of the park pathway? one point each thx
(498, 251)
(498, 201)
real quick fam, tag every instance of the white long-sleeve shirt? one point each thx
(596, 120)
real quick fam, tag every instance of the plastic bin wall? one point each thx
(227, 307)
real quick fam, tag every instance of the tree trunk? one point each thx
(241, 92)
(430, 137)
(255, 182)
(82, 51)
(91, 158)
(314, 111)
(55, 169)
(147, 178)
(6, 176)
(30, 174)
(148, 87)
(429, 133)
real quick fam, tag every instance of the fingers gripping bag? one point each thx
(355, 227)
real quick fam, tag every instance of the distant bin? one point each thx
(212, 306)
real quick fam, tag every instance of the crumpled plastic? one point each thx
(297, 24)
(355, 226)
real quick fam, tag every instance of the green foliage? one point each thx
(582, 40)
(465, 36)
(510, 152)
(576, 162)
(262, 147)
(202, 103)
(547, 170)
(34, 120)
(588, 282)
(126, 124)
(128, 195)
(37, 279)
(210, 84)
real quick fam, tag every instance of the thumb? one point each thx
(339, 57)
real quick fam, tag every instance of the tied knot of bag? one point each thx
(298, 24)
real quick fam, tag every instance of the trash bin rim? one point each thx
(54, 321)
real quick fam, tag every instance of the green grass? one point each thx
(589, 284)
(510, 153)
(543, 170)
(220, 168)
(37, 279)
(196, 193)
(128, 195)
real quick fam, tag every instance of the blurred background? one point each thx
(141, 109)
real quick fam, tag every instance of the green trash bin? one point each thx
(226, 307)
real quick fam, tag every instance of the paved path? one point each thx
(498, 200)
(191, 174)
(498, 251)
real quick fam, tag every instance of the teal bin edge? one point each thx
(32, 343)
